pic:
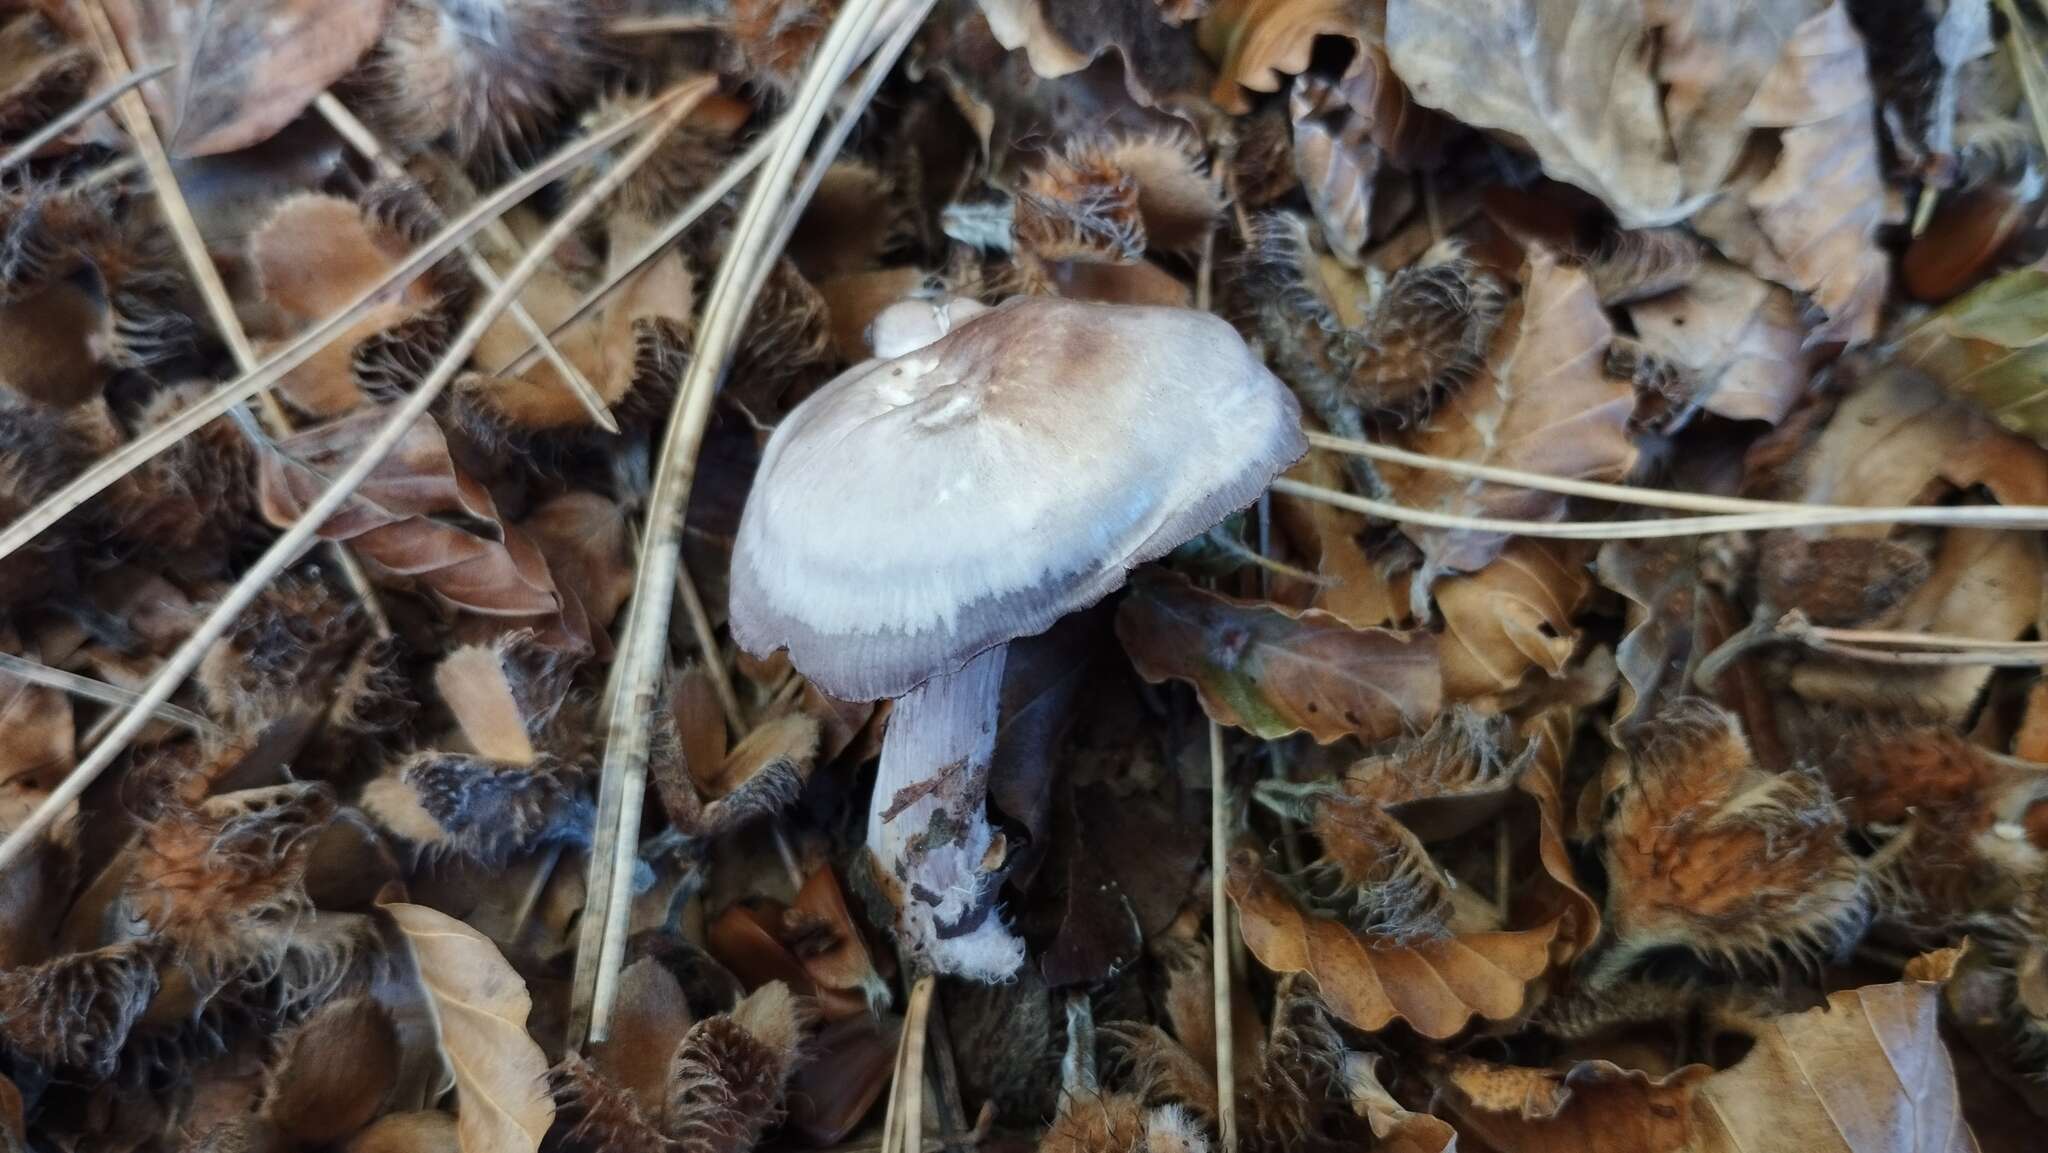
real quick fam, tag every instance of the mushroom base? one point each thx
(933, 852)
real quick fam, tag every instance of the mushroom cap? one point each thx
(919, 510)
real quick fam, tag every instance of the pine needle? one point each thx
(364, 141)
(643, 654)
(86, 688)
(73, 115)
(134, 114)
(903, 1121)
(2029, 517)
(741, 167)
(1219, 941)
(674, 107)
(307, 344)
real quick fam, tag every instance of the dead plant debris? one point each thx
(887, 824)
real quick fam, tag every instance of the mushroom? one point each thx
(991, 471)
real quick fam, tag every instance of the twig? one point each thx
(364, 141)
(674, 106)
(1219, 948)
(643, 653)
(742, 166)
(76, 113)
(2026, 58)
(1918, 648)
(707, 644)
(87, 688)
(134, 113)
(1591, 489)
(662, 25)
(105, 471)
(903, 1122)
(1975, 516)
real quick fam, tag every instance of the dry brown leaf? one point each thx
(480, 1006)
(1591, 1107)
(1512, 617)
(471, 681)
(1398, 1129)
(1559, 897)
(588, 544)
(1810, 221)
(1570, 80)
(1543, 403)
(1659, 579)
(1740, 335)
(392, 522)
(1867, 1074)
(242, 70)
(1271, 672)
(1436, 986)
(1985, 584)
(1713, 57)
(36, 734)
(1358, 593)
(1338, 164)
(1257, 44)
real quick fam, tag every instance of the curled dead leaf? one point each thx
(1590, 1106)
(1512, 617)
(1271, 672)
(394, 520)
(1436, 986)
(241, 71)
(480, 1008)
(1543, 403)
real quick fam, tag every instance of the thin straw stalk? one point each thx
(306, 345)
(86, 688)
(72, 116)
(364, 141)
(302, 532)
(1797, 516)
(642, 656)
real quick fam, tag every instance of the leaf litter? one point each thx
(1728, 841)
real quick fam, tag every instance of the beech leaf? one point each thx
(1570, 79)
(480, 1006)
(1869, 1073)
(245, 69)
(1512, 617)
(1740, 335)
(1271, 672)
(1257, 44)
(1990, 347)
(1810, 220)
(1436, 986)
(1543, 403)
(394, 522)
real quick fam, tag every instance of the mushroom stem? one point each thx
(933, 850)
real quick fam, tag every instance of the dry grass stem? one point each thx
(360, 138)
(903, 1123)
(1797, 516)
(76, 114)
(1220, 936)
(643, 654)
(97, 476)
(86, 688)
(675, 105)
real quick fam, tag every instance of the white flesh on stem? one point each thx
(933, 849)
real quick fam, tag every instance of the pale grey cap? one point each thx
(921, 509)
